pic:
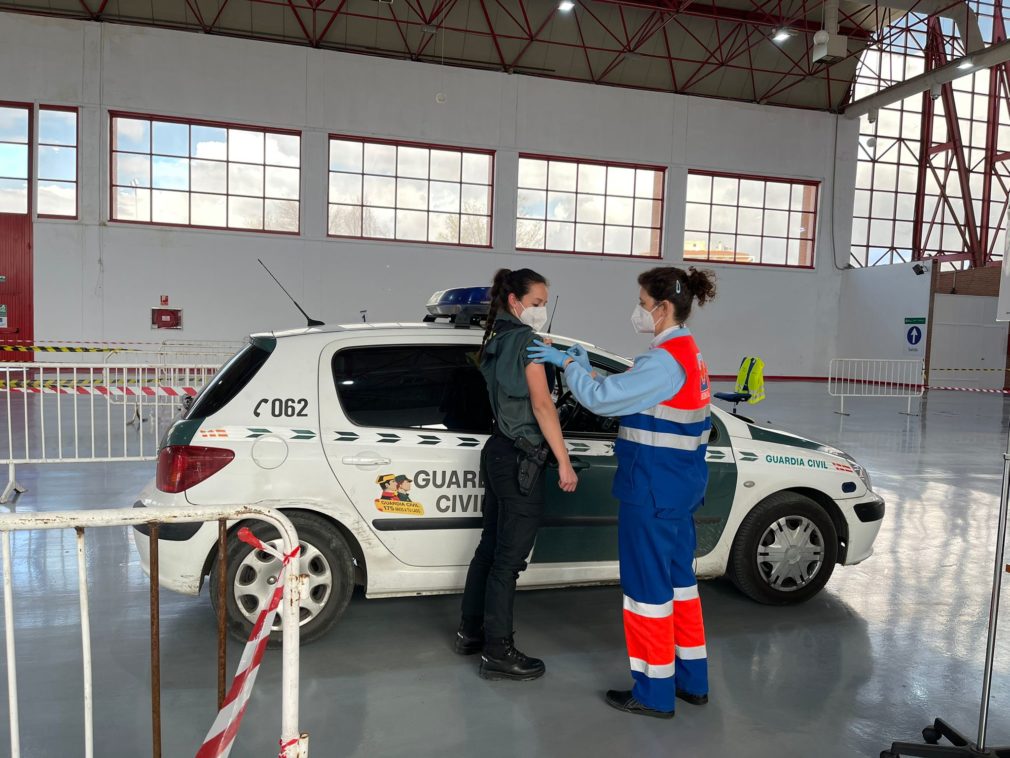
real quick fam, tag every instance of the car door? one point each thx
(404, 422)
(710, 520)
(581, 527)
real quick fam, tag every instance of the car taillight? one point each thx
(183, 466)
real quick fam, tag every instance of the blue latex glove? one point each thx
(542, 353)
(579, 354)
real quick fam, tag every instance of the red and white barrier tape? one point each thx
(972, 389)
(109, 391)
(221, 736)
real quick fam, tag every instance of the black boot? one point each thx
(501, 660)
(470, 637)
(623, 700)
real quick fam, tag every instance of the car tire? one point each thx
(784, 551)
(330, 572)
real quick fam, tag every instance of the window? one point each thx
(57, 162)
(14, 163)
(588, 207)
(750, 219)
(410, 192)
(230, 380)
(204, 174)
(888, 225)
(576, 421)
(435, 387)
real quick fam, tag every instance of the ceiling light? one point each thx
(429, 29)
(781, 35)
(565, 5)
(966, 64)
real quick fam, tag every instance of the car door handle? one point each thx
(579, 464)
(365, 459)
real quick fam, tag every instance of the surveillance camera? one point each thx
(871, 141)
(872, 116)
(934, 92)
(919, 269)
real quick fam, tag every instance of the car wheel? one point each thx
(325, 560)
(784, 551)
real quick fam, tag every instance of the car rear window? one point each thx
(229, 381)
(413, 387)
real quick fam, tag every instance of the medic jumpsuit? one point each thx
(663, 402)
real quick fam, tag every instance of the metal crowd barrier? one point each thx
(294, 743)
(873, 377)
(88, 413)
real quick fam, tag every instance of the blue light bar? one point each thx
(452, 301)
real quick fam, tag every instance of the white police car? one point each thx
(369, 435)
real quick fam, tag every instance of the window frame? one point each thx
(152, 117)
(408, 143)
(77, 148)
(31, 108)
(664, 172)
(789, 180)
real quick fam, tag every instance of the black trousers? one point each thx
(510, 525)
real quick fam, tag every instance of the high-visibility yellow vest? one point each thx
(751, 378)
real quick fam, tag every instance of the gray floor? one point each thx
(886, 647)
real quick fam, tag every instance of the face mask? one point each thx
(642, 320)
(534, 316)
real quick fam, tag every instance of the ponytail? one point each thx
(679, 287)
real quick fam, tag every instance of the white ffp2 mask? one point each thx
(535, 317)
(642, 320)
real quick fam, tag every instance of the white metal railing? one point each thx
(79, 413)
(874, 377)
(296, 743)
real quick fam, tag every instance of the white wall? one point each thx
(874, 305)
(966, 336)
(96, 279)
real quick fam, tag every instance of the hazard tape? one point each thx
(972, 389)
(970, 369)
(61, 349)
(110, 390)
(65, 383)
(221, 736)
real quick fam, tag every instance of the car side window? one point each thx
(580, 422)
(413, 387)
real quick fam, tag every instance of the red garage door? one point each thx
(16, 316)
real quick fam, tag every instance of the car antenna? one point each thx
(312, 321)
(551, 324)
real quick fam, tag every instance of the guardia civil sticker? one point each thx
(395, 497)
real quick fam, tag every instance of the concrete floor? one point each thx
(886, 647)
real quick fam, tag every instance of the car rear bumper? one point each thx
(183, 549)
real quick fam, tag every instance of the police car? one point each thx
(368, 436)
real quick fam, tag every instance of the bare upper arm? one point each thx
(536, 378)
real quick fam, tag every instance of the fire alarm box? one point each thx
(166, 318)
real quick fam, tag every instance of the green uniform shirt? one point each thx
(504, 369)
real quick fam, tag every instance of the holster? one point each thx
(532, 459)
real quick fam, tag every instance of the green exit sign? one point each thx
(916, 320)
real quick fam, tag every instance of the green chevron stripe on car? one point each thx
(303, 434)
(181, 432)
(746, 456)
(256, 431)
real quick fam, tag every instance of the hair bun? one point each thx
(701, 284)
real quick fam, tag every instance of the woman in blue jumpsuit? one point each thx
(663, 403)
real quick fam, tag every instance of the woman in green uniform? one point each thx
(525, 419)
